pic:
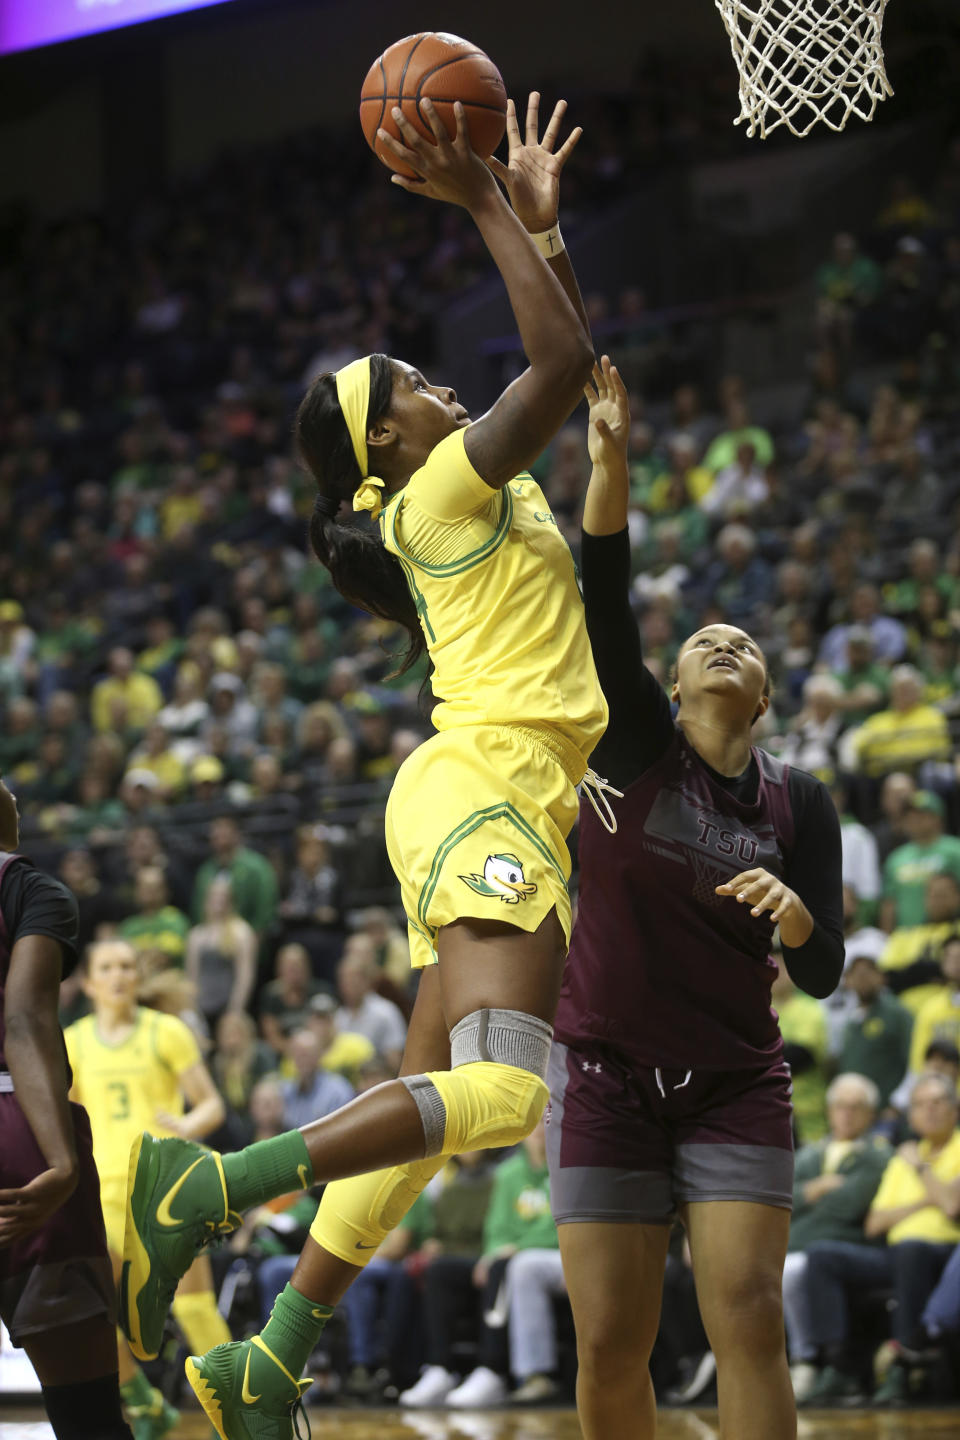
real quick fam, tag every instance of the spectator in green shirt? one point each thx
(459, 1283)
(876, 1039)
(846, 284)
(520, 1228)
(723, 450)
(157, 925)
(252, 877)
(908, 868)
(20, 734)
(865, 682)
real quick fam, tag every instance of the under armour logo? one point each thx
(597, 1068)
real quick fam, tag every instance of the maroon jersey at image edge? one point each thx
(60, 1273)
(659, 965)
(5, 948)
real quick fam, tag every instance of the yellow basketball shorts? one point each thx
(477, 823)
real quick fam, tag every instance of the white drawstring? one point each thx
(597, 789)
(681, 1086)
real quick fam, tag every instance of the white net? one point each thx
(806, 62)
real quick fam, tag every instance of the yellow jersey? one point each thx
(901, 739)
(901, 1185)
(496, 590)
(937, 1019)
(122, 1087)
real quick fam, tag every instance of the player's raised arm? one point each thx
(531, 178)
(531, 410)
(605, 508)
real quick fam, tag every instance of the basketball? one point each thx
(438, 67)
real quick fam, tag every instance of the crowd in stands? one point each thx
(202, 734)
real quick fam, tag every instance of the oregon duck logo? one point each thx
(502, 876)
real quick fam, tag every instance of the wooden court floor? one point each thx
(331, 1424)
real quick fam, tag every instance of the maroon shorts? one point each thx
(61, 1273)
(628, 1143)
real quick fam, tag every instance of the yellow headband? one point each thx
(353, 392)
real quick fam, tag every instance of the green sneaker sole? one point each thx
(206, 1394)
(135, 1275)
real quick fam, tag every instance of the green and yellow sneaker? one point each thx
(150, 1422)
(176, 1204)
(246, 1392)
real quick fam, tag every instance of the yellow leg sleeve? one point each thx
(201, 1321)
(477, 1105)
(355, 1215)
(488, 1104)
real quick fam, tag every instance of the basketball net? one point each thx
(803, 62)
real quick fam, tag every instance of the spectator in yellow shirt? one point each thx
(905, 735)
(917, 1209)
(911, 957)
(156, 756)
(140, 694)
(684, 477)
(939, 1017)
(803, 1025)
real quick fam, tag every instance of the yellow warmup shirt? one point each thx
(900, 740)
(123, 1086)
(496, 590)
(937, 1019)
(901, 1185)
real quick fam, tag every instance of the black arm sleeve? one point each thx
(641, 725)
(814, 871)
(37, 904)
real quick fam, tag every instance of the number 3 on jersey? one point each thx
(120, 1095)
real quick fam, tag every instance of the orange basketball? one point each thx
(438, 67)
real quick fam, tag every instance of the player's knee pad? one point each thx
(494, 1094)
(355, 1215)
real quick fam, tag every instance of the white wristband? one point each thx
(549, 242)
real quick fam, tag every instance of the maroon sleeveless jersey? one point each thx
(6, 947)
(659, 965)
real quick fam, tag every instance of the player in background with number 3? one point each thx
(669, 1093)
(132, 1070)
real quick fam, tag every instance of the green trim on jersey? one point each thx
(466, 562)
(502, 811)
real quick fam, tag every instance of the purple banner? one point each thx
(25, 23)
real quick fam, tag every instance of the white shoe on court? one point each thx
(433, 1387)
(802, 1377)
(480, 1389)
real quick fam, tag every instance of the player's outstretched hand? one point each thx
(449, 170)
(26, 1209)
(532, 172)
(609, 425)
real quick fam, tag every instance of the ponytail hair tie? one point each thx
(368, 497)
(327, 506)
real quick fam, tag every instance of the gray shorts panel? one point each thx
(759, 1173)
(600, 1194)
(59, 1293)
